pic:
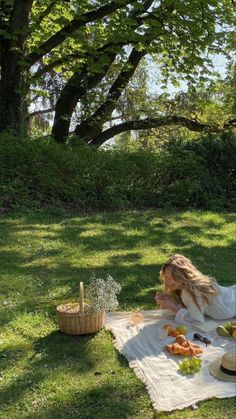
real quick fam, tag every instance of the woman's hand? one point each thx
(162, 297)
(166, 301)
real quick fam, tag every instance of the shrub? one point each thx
(40, 173)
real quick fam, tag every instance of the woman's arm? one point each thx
(191, 312)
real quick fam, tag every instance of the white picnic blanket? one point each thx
(168, 389)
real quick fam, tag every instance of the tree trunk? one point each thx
(12, 83)
(11, 98)
(74, 90)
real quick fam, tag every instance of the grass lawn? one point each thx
(45, 374)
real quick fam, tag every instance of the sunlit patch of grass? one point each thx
(32, 325)
(45, 374)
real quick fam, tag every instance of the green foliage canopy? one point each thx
(58, 53)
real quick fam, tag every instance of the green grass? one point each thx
(45, 374)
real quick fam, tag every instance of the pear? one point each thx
(231, 329)
(221, 331)
(227, 325)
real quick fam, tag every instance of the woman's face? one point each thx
(172, 283)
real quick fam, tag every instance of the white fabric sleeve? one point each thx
(184, 316)
(191, 313)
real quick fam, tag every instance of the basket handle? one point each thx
(81, 297)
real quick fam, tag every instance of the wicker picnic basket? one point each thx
(76, 319)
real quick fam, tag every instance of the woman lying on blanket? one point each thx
(191, 294)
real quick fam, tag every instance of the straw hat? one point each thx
(224, 368)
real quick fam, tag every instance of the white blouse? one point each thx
(223, 306)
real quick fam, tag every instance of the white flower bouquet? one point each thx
(102, 294)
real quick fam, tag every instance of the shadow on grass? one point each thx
(56, 352)
(57, 254)
(107, 401)
(57, 357)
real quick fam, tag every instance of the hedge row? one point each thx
(184, 174)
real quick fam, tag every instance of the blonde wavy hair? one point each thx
(202, 287)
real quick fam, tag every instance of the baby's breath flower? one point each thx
(102, 293)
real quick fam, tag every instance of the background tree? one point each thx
(60, 54)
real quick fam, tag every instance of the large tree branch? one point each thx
(104, 50)
(41, 112)
(93, 125)
(49, 67)
(73, 26)
(149, 123)
(95, 121)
